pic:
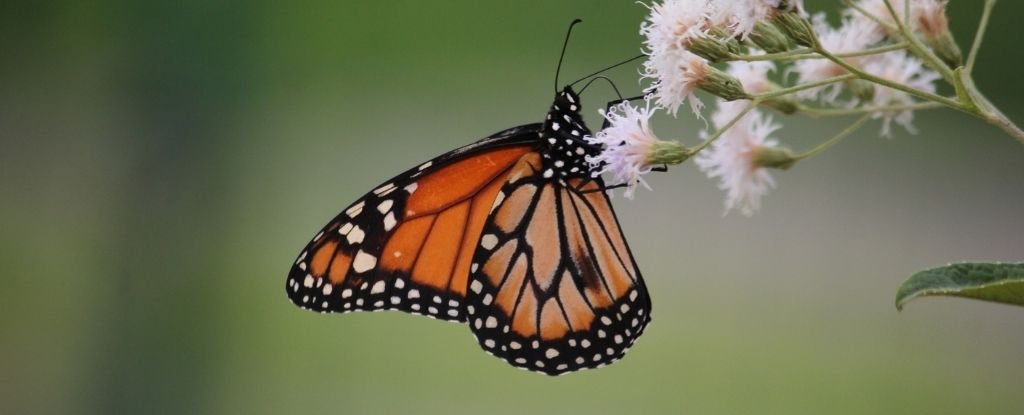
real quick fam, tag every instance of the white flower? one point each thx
(675, 71)
(753, 74)
(902, 68)
(676, 75)
(672, 23)
(853, 36)
(740, 16)
(732, 159)
(627, 143)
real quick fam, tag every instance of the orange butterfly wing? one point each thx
(554, 287)
(408, 244)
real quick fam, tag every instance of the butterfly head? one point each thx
(564, 148)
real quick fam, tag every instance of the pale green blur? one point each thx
(162, 165)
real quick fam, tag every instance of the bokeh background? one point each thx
(162, 163)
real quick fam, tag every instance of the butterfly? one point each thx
(513, 235)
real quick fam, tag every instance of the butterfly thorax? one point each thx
(564, 148)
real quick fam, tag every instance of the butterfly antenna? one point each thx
(605, 78)
(565, 44)
(608, 68)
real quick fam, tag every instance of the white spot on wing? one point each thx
(355, 209)
(489, 241)
(346, 228)
(378, 287)
(363, 262)
(385, 206)
(385, 188)
(356, 235)
(389, 221)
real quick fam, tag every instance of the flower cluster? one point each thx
(757, 56)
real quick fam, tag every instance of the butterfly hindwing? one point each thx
(407, 244)
(554, 287)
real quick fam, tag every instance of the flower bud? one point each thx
(721, 84)
(713, 49)
(945, 48)
(769, 37)
(667, 152)
(796, 27)
(933, 25)
(774, 158)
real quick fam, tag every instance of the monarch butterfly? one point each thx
(513, 234)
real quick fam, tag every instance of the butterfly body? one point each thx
(513, 235)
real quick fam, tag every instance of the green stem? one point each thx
(928, 96)
(753, 104)
(808, 53)
(979, 106)
(836, 112)
(885, 25)
(771, 56)
(810, 85)
(872, 51)
(895, 17)
(919, 48)
(980, 34)
(835, 139)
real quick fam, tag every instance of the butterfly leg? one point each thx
(599, 189)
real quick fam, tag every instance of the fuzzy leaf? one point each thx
(1001, 283)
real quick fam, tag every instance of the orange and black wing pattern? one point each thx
(554, 287)
(408, 244)
(514, 235)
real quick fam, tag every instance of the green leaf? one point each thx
(1001, 283)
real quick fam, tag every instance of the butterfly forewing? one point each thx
(554, 287)
(407, 245)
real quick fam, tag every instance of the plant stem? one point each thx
(772, 56)
(810, 85)
(888, 27)
(835, 139)
(919, 48)
(835, 112)
(753, 104)
(980, 34)
(872, 51)
(928, 96)
(978, 105)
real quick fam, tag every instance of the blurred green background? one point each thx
(162, 163)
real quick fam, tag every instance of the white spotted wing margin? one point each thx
(554, 287)
(340, 270)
